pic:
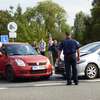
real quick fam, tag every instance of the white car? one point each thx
(89, 64)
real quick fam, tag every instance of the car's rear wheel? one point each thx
(10, 76)
(91, 71)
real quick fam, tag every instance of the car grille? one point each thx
(37, 64)
(38, 71)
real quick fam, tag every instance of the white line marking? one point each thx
(49, 84)
(3, 88)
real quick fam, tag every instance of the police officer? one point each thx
(70, 48)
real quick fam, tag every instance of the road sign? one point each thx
(12, 35)
(4, 38)
(12, 26)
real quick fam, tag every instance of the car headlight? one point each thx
(20, 62)
(81, 61)
(48, 61)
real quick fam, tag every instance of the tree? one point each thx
(95, 2)
(95, 12)
(37, 22)
(88, 35)
(79, 26)
(5, 17)
(49, 18)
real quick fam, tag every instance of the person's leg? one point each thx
(68, 73)
(42, 53)
(74, 71)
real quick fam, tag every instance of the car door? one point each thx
(3, 61)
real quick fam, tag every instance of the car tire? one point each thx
(10, 76)
(91, 71)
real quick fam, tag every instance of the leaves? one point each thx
(37, 22)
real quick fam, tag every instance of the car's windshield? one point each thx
(90, 47)
(20, 49)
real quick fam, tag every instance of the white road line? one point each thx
(49, 84)
(3, 88)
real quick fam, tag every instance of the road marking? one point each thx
(49, 84)
(3, 88)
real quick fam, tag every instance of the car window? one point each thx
(94, 48)
(90, 47)
(20, 49)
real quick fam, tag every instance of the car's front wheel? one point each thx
(10, 76)
(91, 71)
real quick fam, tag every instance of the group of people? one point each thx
(52, 48)
(71, 53)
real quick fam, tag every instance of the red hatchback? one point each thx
(22, 60)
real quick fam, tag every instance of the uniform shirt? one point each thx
(69, 46)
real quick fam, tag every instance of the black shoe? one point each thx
(69, 83)
(76, 83)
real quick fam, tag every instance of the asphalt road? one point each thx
(53, 89)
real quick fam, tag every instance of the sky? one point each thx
(71, 6)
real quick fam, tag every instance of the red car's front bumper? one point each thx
(28, 72)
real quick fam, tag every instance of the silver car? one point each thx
(89, 64)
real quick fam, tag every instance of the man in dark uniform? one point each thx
(70, 48)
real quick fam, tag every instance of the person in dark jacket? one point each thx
(54, 50)
(70, 48)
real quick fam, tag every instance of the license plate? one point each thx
(38, 67)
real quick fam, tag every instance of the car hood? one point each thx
(83, 53)
(31, 58)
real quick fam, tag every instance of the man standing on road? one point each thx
(70, 47)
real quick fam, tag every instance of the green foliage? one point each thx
(88, 35)
(5, 17)
(79, 26)
(49, 18)
(95, 31)
(37, 22)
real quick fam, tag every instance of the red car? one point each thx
(22, 60)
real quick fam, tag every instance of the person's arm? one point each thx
(78, 54)
(59, 51)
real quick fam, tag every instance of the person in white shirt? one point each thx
(42, 47)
